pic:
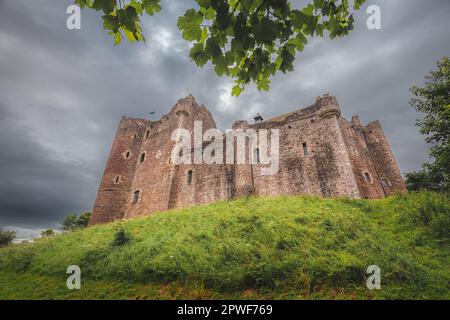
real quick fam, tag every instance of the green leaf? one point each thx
(106, 5)
(265, 31)
(117, 38)
(189, 24)
(236, 91)
(213, 49)
(263, 84)
(198, 54)
(204, 3)
(151, 6)
(111, 23)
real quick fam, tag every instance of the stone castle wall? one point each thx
(321, 154)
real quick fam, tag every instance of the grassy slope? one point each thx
(260, 248)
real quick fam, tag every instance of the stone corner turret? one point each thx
(328, 106)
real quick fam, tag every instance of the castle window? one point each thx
(189, 177)
(147, 134)
(305, 149)
(142, 157)
(182, 113)
(349, 130)
(127, 155)
(135, 196)
(117, 180)
(135, 137)
(367, 177)
(256, 156)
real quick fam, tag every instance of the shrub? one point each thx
(429, 210)
(47, 233)
(121, 237)
(6, 237)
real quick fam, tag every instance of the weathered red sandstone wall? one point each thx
(320, 154)
(365, 173)
(313, 156)
(114, 192)
(242, 171)
(161, 185)
(383, 159)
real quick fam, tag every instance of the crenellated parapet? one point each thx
(328, 106)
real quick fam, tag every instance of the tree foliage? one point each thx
(6, 237)
(72, 222)
(122, 19)
(47, 233)
(83, 220)
(433, 101)
(247, 40)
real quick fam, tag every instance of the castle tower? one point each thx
(332, 162)
(383, 159)
(114, 192)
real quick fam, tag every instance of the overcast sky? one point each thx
(63, 92)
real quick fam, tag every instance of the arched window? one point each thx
(135, 196)
(367, 177)
(142, 158)
(189, 177)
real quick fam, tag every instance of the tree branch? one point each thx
(235, 7)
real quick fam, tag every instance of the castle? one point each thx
(320, 153)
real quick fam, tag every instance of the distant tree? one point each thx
(72, 222)
(83, 220)
(428, 178)
(68, 223)
(47, 233)
(433, 101)
(6, 237)
(247, 40)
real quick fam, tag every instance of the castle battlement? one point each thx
(320, 153)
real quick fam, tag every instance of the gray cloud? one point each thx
(62, 92)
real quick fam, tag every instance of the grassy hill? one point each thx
(251, 248)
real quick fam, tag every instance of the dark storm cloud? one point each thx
(62, 92)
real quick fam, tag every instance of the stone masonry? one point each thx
(321, 154)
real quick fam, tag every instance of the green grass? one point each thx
(251, 248)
